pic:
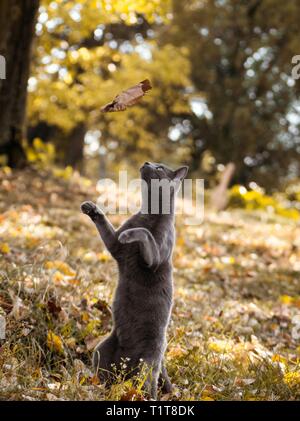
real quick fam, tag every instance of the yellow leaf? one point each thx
(103, 257)
(4, 248)
(180, 241)
(85, 316)
(31, 242)
(58, 277)
(279, 359)
(83, 380)
(176, 352)
(219, 346)
(292, 378)
(7, 170)
(61, 266)
(54, 342)
(286, 299)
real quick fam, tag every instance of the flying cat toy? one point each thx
(128, 98)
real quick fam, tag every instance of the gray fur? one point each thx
(142, 304)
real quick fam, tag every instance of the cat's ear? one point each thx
(178, 176)
(180, 173)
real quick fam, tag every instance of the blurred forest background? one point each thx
(222, 93)
(221, 72)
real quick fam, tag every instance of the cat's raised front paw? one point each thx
(125, 237)
(90, 209)
(131, 235)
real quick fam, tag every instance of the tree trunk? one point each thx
(74, 147)
(17, 28)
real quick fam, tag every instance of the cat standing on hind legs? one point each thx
(142, 248)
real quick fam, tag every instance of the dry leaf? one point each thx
(91, 342)
(63, 267)
(176, 352)
(19, 310)
(54, 342)
(128, 98)
(53, 308)
(4, 248)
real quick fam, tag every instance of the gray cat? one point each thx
(142, 247)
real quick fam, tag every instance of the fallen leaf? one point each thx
(53, 308)
(4, 248)
(132, 395)
(63, 267)
(91, 342)
(54, 342)
(176, 352)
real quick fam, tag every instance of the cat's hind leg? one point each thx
(164, 381)
(152, 368)
(104, 357)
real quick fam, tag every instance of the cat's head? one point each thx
(152, 170)
(167, 180)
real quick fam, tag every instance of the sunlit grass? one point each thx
(233, 333)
